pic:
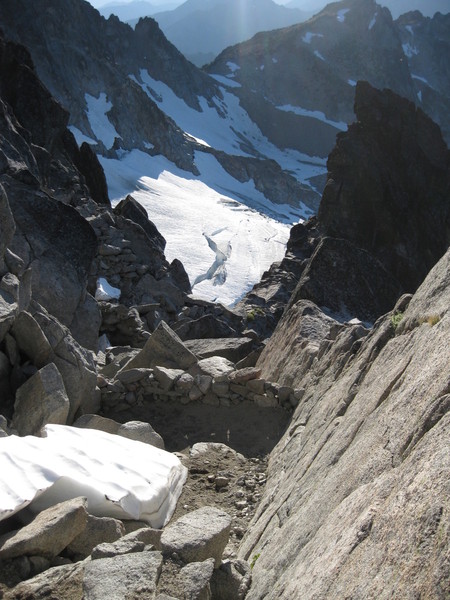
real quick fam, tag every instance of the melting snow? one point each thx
(341, 14)
(309, 35)
(103, 129)
(313, 114)
(210, 211)
(409, 50)
(121, 478)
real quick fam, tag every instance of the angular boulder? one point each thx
(41, 400)
(198, 535)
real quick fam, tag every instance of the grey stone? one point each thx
(98, 530)
(195, 578)
(122, 546)
(133, 375)
(141, 432)
(243, 375)
(199, 535)
(167, 378)
(231, 581)
(41, 400)
(185, 382)
(64, 582)
(31, 340)
(133, 576)
(216, 367)
(256, 385)
(49, 533)
(234, 349)
(165, 349)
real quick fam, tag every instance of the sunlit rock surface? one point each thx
(121, 478)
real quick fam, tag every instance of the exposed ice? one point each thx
(121, 478)
(313, 114)
(101, 126)
(105, 291)
(341, 14)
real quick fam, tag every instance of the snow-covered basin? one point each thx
(121, 478)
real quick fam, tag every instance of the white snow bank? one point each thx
(313, 114)
(121, 478)
(105, 291)
(102, 127)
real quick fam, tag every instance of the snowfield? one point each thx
(224, 245)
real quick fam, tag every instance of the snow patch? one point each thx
(309, 35)
(102, 127)
(121, 478)
(105, 291)
(80, 137)
(233, 66)
(419, 95)
(225, 245)
(419, 78)
(317, 53)
(409, 50)
(373, 21)
(274, 60)
(410, 29)
(313, 114)
(351, 82)
(261, 68)
(341, 14)
(226, 81)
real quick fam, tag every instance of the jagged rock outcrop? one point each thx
(383, 221)
(356, 500)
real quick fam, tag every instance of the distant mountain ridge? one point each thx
(298, 83)
(222, 23)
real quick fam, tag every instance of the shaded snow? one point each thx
(409, 50)
(373, 21)
(210, 211)
(121, 478)
(80, 137)
(233, 66)
(317, 53)
(419, 78)
(313, 114)
(226, 81)
(274, 60)
(341, 14)
(351, 82)
(309, 35)
(101, 126)
(410, 29)
(419, 95)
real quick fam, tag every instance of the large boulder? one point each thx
(41, 400)
(199, 535)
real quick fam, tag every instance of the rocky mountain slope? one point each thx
(297, 84)
(358, 482)
(222, 24)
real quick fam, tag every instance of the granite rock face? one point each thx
(359, 482)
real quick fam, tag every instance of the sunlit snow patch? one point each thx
(102, 127)
(105, 291)
(121, 478)
(80, 137)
